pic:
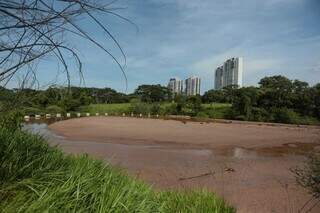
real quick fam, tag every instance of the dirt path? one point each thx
(246, 164)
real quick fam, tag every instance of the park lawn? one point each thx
(214, 110)
(106, 108)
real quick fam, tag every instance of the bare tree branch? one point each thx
(31, 30)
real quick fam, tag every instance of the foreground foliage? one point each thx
(308, 177)
(37, 178)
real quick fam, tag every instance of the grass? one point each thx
(215, 110)
(37, 178)
(106, 108)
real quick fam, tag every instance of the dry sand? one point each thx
(246, 164)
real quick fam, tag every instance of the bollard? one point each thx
(78, 114)
(87, 114)
(97, 114)
(140, 115)
(58, 115)
(157, 116)
(48, 116)
(27, 118)
(106, 114)
(131, 114)
(68, 115)
(149, 115)
(37, 117)
(123, 114)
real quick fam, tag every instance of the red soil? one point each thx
(246, 164)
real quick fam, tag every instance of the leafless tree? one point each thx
(31, 30)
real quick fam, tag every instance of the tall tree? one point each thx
(152, 93)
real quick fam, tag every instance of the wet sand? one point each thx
(246, 164)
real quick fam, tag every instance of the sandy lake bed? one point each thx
(246, 164)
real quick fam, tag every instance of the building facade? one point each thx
(192, 86)
(175, 85)
(229, 74)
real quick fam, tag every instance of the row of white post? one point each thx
(68, 115)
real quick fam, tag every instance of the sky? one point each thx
(181, 38)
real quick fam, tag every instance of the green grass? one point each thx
(37, 178)
(106, 108)
(215, 110)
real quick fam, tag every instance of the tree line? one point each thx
(275, 99)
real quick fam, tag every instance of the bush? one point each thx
(11, 120)
(171, 109)
(54, 109)
(31, 110)
(309, 176)
(202, 115)
(155, 108)
(259, 114)
(138, 107)
(285, 115)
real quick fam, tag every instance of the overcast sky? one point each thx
(192, 37)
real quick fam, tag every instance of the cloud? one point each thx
(183, 37)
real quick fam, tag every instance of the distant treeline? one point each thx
(57, 99)
(276, 99)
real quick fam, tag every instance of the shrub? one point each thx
(259, 114)
(202, 115)
(54, 109)
(285, 115)
(171, 109)
(31, 110)
(11, 120)
(155, 108)
(137, 107)
(308, 176)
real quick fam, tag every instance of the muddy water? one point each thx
(253, 180)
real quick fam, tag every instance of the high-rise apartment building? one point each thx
(229, 74)
(192, 86)
(175, 85)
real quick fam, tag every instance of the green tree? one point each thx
(244, 100)
(276, 92)
(152, 93)
(194, 104)
(211, 96)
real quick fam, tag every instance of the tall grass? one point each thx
(37, 178)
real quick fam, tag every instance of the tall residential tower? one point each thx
(193, 86)
(229, 74)
(175, 85)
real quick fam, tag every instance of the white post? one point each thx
(123, 114)
(78, 114)
(37, 117)
(157, 116)
(68, 115)
(131, 114)
(27, 118)
(58, 115)
(106, 114)
(48, 116)
(97, 114)
(149, 115)
(140, 115)
(87, 114)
